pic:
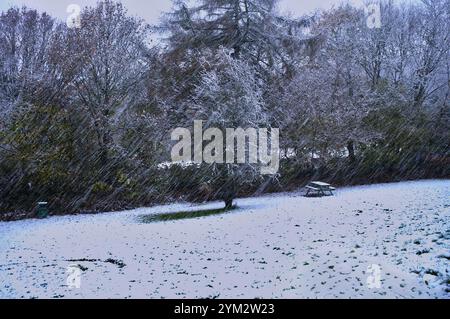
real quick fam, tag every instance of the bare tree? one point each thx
(110, 77)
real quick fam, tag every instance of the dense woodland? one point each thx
(86, 113)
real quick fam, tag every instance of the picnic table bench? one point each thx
(320, 188)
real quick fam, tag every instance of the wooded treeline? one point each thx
(86, 113)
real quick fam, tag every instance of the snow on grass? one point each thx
(280, 246)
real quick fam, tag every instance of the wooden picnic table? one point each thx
(319, 187)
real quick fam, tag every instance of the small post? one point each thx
(42, 210)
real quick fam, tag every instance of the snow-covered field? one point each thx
(281, 246)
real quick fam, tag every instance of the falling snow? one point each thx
(280, 246)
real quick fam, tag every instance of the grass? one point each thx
(183, 215)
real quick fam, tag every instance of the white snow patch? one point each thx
(279, 246)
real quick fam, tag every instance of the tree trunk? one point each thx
(351, 151)
(228, 203)
(228, 197)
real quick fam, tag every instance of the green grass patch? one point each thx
(147, 219)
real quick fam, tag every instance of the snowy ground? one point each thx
(282, 246)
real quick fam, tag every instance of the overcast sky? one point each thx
(150, 10)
